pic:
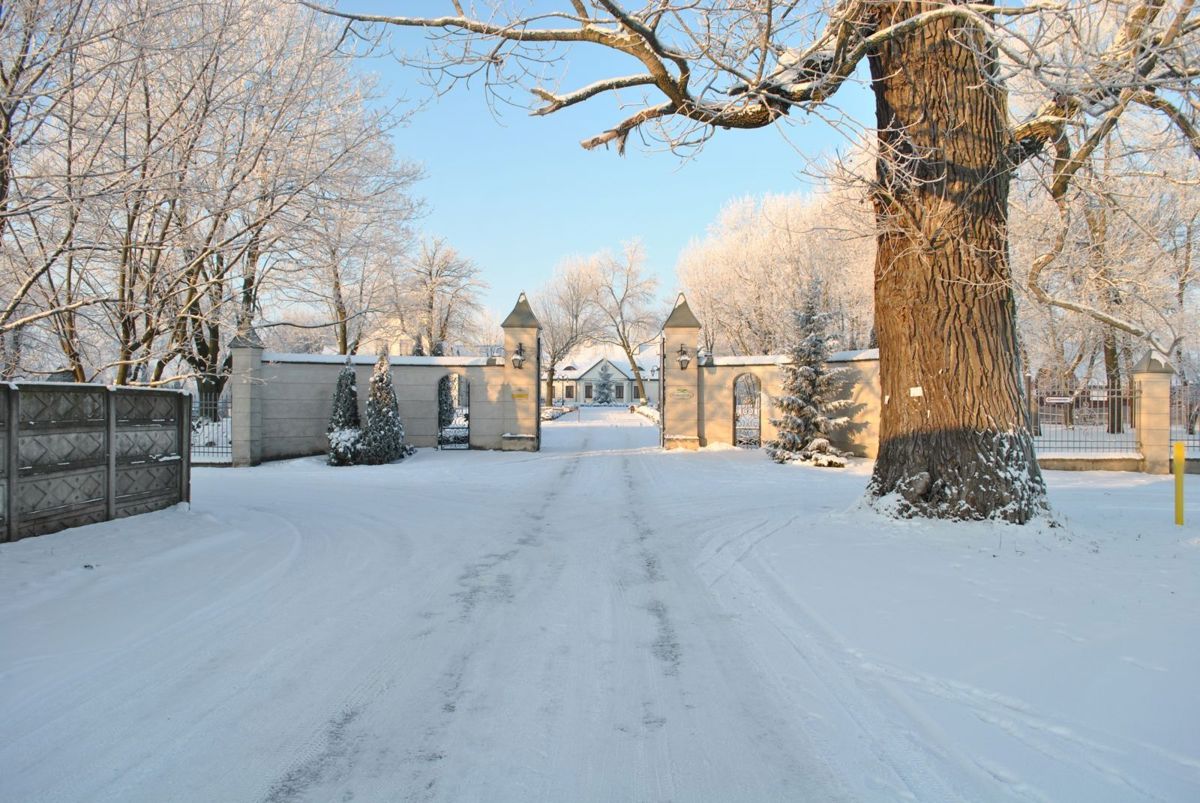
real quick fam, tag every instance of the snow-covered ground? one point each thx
(601, 621)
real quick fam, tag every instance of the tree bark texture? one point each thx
(954, 441)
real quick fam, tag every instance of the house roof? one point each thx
(570, 371)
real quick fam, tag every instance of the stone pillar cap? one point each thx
(1153, 363)
(522, 316)
(681, 317)
(247, 339)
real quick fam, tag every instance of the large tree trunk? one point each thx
(953, 436)
(639, 385)
(1112, 376)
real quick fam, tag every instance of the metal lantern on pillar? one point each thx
(518, 357)
(683, 357)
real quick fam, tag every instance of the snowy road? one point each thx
(597, 622)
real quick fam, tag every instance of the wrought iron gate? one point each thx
(212, 430)
(454, 412)
(747, 412)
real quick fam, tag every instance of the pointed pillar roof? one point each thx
(681, 317)
(522, 316)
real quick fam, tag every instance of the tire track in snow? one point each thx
(707, 701)
(337, 750)
(482, 587)
(896, 746)
(665, 646)
(331, 754)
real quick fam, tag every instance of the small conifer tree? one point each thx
(446, 400)
(383, 435)
(344, 428)
(809, 407)
(604, 386)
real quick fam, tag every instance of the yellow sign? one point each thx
(520, 394)
(1179, 460)
(682, 393)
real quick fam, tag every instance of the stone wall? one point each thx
(281, 402)
(715, 388)
(715, 410)
(297, 396)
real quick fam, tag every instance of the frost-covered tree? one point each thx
(604, 386)
(383, 435)
(748, 275)
(946, 146)
(570, 318)
(625, 297)
(344, 426)
(809, 407)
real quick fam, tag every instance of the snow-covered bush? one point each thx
(383, 434)
(809, 407)
(557, 411)
(344, 427)
(649, 412)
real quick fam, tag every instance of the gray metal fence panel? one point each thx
(78, 454)
(212, 430)
(1185, 418)
(1091, 421)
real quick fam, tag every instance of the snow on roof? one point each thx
(854, 356)
(750, 359)
(622, 367)
(781, 359)
(366, 359)
(33, 384)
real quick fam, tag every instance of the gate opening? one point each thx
(747, 412)
(454, 412)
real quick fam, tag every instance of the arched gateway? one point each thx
(454, 412)
(747, 412)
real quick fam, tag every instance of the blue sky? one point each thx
(517, 193)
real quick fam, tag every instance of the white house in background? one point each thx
(392, 338)
(578, 382)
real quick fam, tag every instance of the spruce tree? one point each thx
(809, 406)
(344, 427)
(383, 435)
(446, 401)
(604, 386)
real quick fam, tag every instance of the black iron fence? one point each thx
(212, 430)
(1185, 417)
(1091, 420)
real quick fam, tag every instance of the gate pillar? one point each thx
(681, 378)
(246, 399)
(522, 374)
(1152, 378)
